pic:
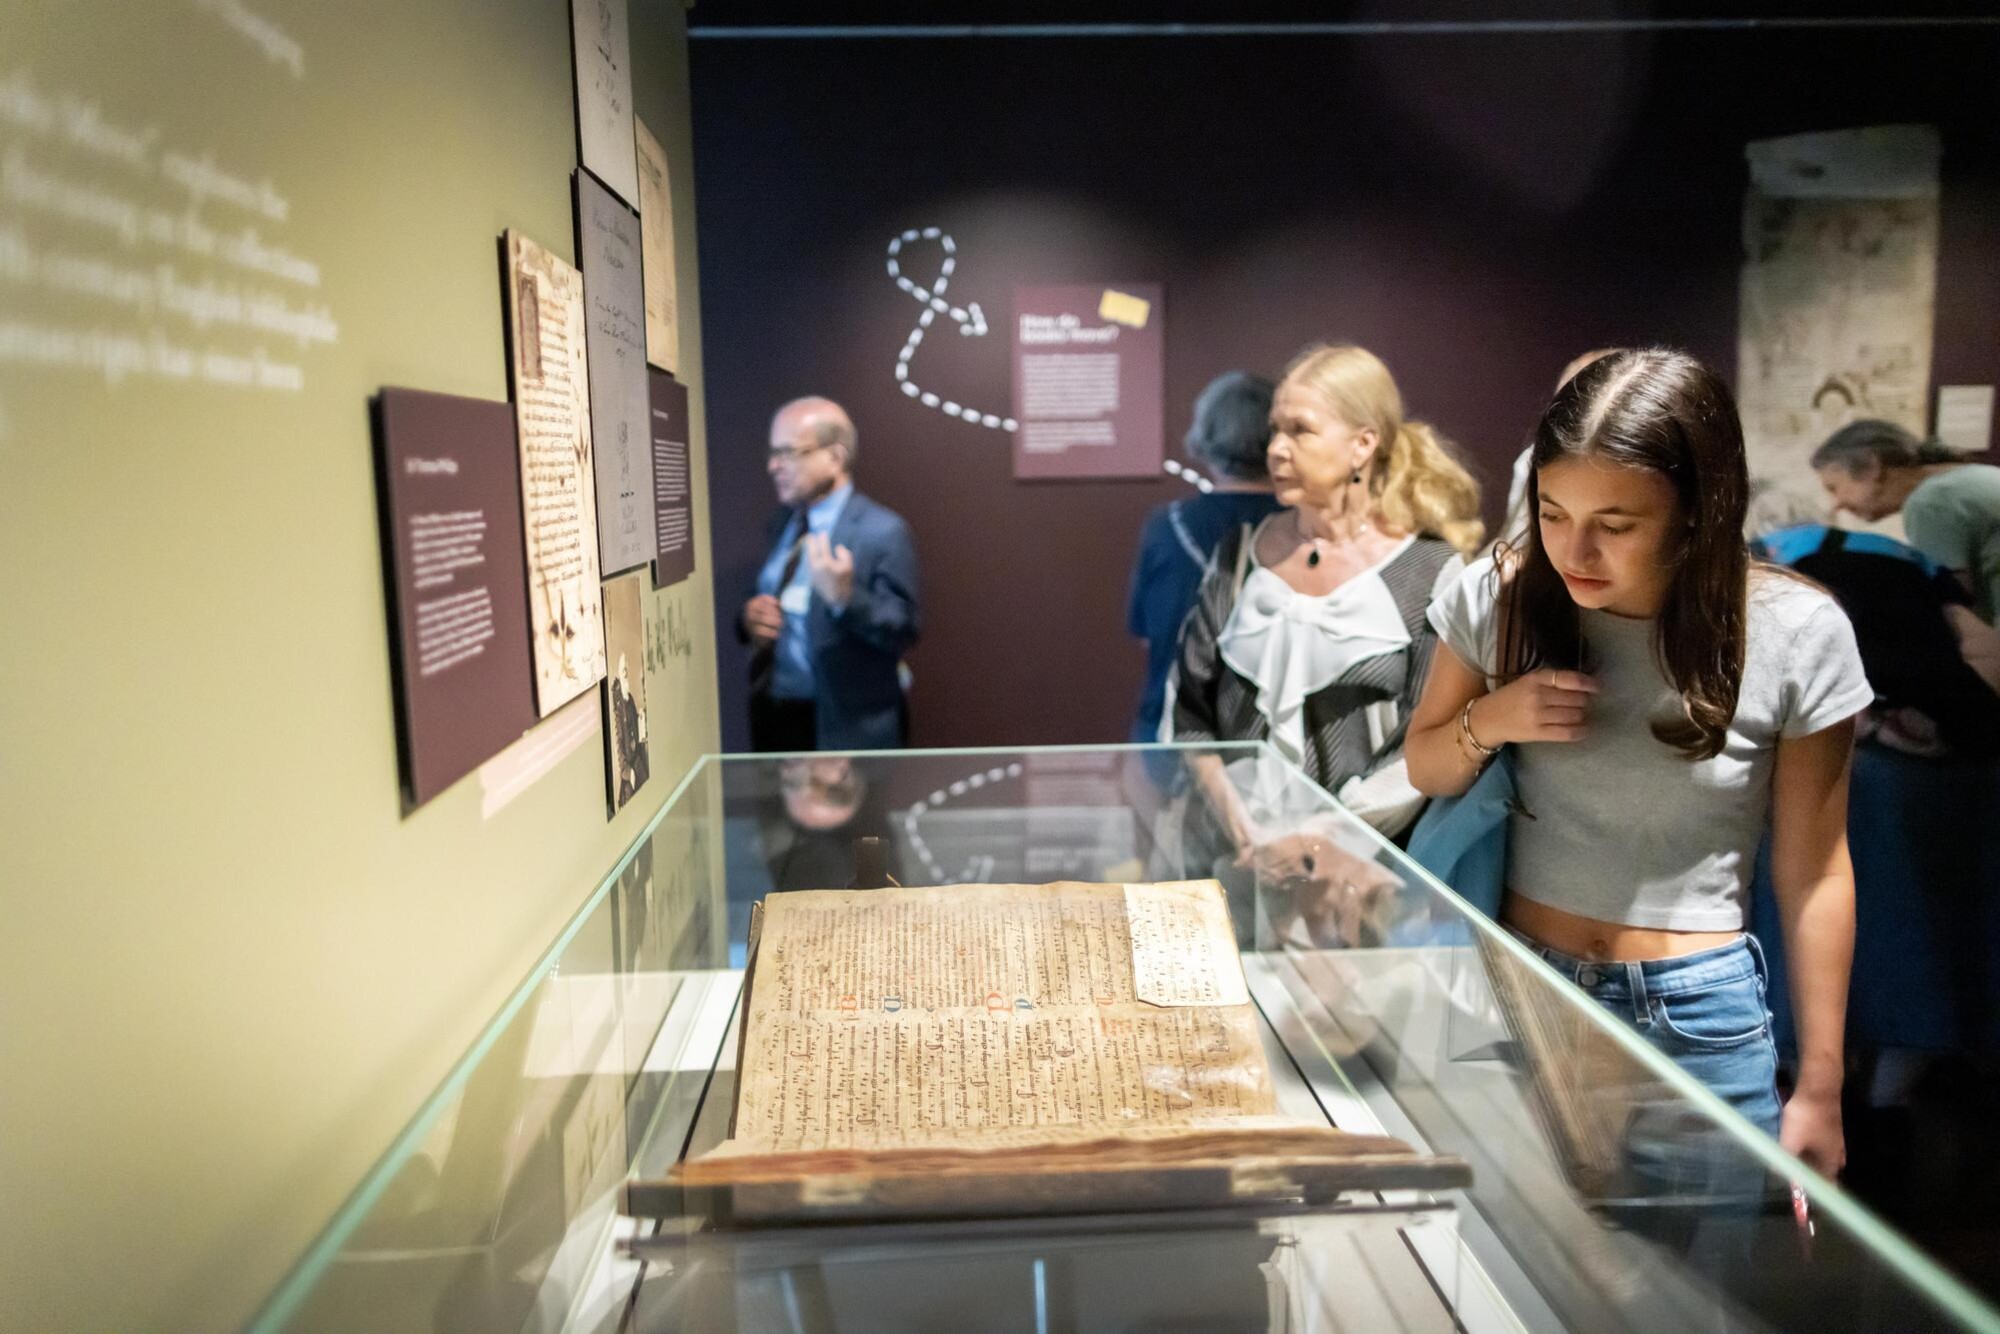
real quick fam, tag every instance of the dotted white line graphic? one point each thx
(970, 319)
(978, 869)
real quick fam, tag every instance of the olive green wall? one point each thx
(233, 967)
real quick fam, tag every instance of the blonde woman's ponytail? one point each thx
(1421, 487)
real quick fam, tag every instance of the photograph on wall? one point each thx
(1840, 235)
(607, 244)
(673, 501)
(626, 759)
(450, 500)
(602, 44)
(545, 318)
(656, 228)
(1089, 373)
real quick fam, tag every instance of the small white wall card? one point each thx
(1965, 417)
(603, 49)
(656, 225)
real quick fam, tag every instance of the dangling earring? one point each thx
(1356, 479)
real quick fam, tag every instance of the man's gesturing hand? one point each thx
(831, 569)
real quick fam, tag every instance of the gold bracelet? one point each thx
(1471, 757)
(1484, 753)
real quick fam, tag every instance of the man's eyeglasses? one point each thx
(790, 453)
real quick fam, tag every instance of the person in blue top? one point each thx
(1921, 646)
(1229, 436)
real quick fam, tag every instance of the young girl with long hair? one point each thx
(1667, 700)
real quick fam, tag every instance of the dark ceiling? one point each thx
(722, 18)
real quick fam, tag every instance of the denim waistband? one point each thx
(1740, 959)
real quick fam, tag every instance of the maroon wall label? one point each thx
(673, 505)
(458, 588)
(1088, 375)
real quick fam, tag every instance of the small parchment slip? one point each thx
(1183, 947)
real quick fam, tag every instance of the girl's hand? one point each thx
(1545, 705)
(1810, 1129)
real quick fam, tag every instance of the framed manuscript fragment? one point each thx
(545, 319)
(607, 247)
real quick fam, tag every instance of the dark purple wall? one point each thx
(1476, 209)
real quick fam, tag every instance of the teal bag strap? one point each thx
(1462, 840)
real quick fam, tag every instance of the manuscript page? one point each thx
(558, 490)
(990, 1015)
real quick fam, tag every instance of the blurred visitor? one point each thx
(1950, 508)
(1934, 665)
(1309, 629)
(807, 830)
(834, 607)
(1228, 437)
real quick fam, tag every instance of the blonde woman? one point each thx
(1309, 630)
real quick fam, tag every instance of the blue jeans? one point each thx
(1706, 1011)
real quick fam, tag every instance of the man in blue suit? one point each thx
(834, 607)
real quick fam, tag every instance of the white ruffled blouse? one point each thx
(1291, 645)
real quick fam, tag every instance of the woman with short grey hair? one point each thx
(1231, 431)
(1228, 438)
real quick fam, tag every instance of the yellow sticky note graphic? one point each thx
(1124, 308)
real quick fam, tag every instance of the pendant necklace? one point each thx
(1299, 522)
(1312, 557)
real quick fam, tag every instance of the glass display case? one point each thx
(1608, 1191)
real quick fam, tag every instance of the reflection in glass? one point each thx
(1609, 1191)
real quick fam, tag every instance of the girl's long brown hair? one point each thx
(1664, 412)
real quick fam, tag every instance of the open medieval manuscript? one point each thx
(1014, 1043)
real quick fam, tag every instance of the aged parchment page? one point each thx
(656, 230)
(995, 1014)
(558, 489)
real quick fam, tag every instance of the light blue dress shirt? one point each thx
(792, 675)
